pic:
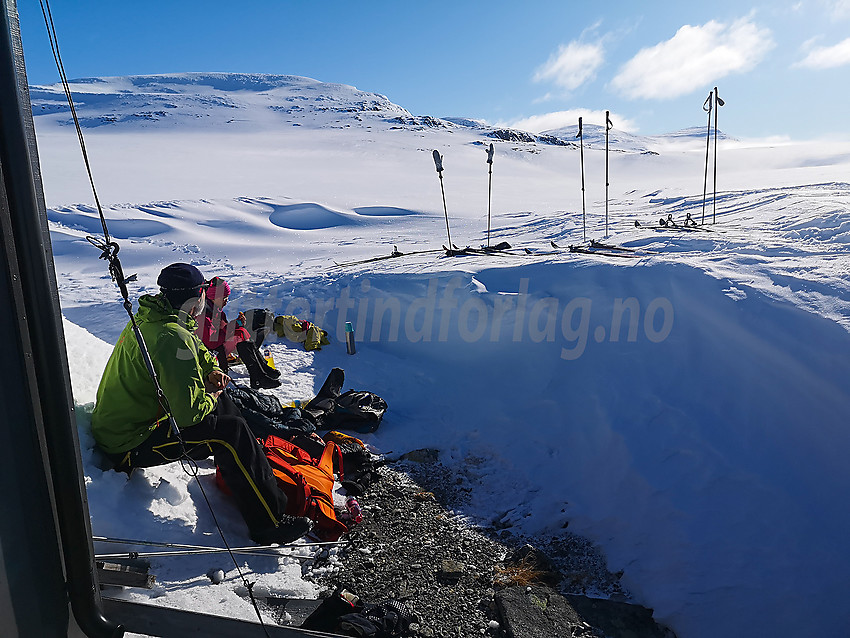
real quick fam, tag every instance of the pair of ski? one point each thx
(595, 248)
(602, 250)
(395, 253)
(454, 251)
(635, 251)
(670, 224)
(499, 250)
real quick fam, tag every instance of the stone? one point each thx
(216, 576)
(450, 572)
(536, 613)
(540, 611)
(624, 620)
(425, 455)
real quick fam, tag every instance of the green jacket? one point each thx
(127, 409)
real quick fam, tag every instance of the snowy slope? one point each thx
(207, 99)
(684, 410)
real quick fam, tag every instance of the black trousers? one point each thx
(225, 435)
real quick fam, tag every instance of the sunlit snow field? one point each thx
(685, 408)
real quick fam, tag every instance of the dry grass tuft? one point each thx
(523, 573)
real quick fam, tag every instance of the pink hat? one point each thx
(219, 289)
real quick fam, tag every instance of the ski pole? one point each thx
(706, 106)
(490, 152)
(130, 541)
(198, 552)
(438, 162)
(608, 126)
(580, 137)
(717, 104)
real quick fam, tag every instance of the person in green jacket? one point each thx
(130, 425)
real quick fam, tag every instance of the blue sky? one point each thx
(782, 66)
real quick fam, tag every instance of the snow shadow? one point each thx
(308, 216)
(383, 211)
(119, 228)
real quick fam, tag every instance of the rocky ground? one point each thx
(461, 580)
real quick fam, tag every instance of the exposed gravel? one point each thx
(414, 547)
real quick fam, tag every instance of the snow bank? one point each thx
(700, 443)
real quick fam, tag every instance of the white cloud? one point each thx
(543, 98)
(833, 9)
(572, 65)
(560, 119)
(809, 44)
(840, 9)
(693, 58)
(827, 57)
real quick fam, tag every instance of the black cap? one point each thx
(180, 277)
(180, 283)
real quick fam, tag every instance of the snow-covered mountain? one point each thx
(622, 141)
(594, 136)
(697, 132)
(210, 100)
(683, 407)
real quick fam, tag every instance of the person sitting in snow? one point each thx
(223, 337)
(128, 422)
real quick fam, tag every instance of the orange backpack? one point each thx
(308, 483)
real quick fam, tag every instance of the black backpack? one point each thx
(355, 410)
(389, 619)
(342, 612)
(265, 415)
